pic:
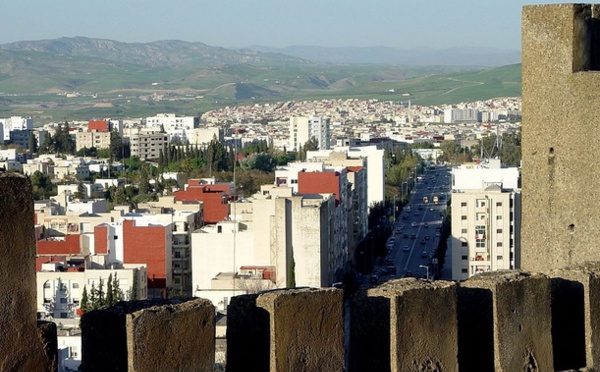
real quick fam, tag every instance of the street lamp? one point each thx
(426, 267)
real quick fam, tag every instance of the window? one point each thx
(464, 271)
(463, 231)
(63, 300)
(464, 218)
(64, 315)
(499, 217)
(75, 285)
(464, 257)
(499, 231)
(463, 204)
(480, 203)
(498, 204)
(499, 244)
(177, 254)
(499, 257)
(47, 285)
(463, 244)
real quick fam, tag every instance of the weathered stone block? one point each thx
(307, 329)
(423, 326)
(504, 322)
(248, 335)
(153, 335)
(21, 343)
(576, 316)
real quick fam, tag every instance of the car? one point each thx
(422, 242)
(431, 209)
(437, 235)
(424, 254)
(406, 248)
(413, 224)
(427, 237)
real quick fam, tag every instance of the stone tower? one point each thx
(561, 135)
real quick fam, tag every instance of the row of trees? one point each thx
(100, 298)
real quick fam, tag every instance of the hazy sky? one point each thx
(276, 23)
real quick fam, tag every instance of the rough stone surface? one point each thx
(173, 337)
(423, 325)
(576, 316)
(21, 344)
(153, 335)
(248, 335)
(369, 333)
(47, 333)
(561, 88)
(520, 318)
(307, 329)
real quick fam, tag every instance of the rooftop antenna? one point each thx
(494, 152)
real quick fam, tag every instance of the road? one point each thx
(417, 229)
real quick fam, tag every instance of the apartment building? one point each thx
(178, 128)
(214, 196)
(302, 129)
(486, 207)
(147, 146)
(15, 123)
(60, 285)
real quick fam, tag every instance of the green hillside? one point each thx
(75, 78)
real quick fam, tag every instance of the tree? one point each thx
(42, 185)
(116, 146)
(33, 147)
(109, 291)
(81, 192)
(84, 305)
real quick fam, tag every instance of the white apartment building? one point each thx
(284, 240)
(302, 129)
(15, 123)
(485, 221)
(178, 128)
(60, 287)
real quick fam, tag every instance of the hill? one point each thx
(80, 78)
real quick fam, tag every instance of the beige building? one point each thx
(148, 146)
(98, 140)
(485, 227)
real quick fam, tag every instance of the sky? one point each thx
(400, 24)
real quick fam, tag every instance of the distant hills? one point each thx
(481, 57)
(83, 77)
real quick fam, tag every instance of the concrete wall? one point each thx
(561, 86)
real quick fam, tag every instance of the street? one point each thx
(417, 229)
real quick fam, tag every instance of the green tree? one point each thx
(84, 305)
(33, 145)
(42, 185)
(81, 192)
(116, 146)
(109, 291)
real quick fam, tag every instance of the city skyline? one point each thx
(235, 24)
